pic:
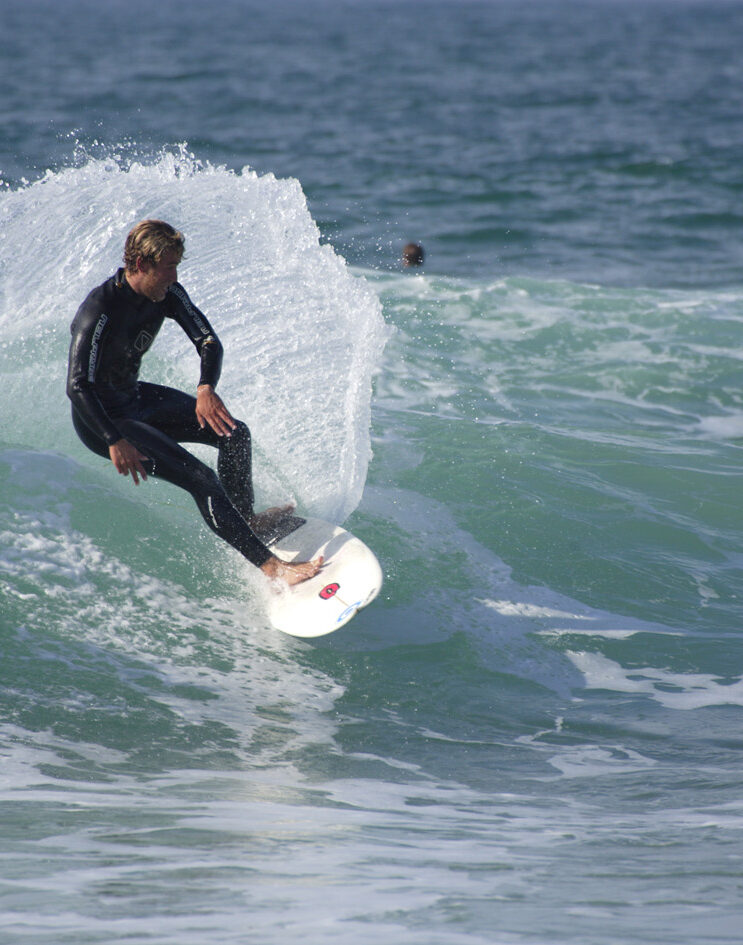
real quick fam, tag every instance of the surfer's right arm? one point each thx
(89, 329)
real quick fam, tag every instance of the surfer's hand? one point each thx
(292, 572)
(127, 459)
(210, 409)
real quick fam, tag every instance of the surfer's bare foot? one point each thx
(292, 572)
(262, 521)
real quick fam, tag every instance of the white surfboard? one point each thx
(350, 579)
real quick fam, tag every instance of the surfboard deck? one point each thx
(350, 578)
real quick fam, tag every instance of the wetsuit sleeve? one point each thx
(88, 335)
(198, 329)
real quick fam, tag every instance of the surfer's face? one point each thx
(156, 278)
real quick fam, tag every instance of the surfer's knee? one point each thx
(204, 480)
(241, 434)
(238, 444)
(235, 453)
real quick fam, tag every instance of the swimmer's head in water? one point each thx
(413, 255)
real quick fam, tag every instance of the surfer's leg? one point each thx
(174, 413)
(170, 461)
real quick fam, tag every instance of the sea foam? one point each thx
(303, 336)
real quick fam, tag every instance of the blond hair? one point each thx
(149, 240)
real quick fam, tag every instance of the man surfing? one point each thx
(140, 426)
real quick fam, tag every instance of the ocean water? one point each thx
(532, 737)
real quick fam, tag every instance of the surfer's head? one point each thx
(149, 241)
(152, 253)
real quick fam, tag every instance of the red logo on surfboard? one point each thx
(330, 590)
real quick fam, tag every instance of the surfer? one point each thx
(139, 426)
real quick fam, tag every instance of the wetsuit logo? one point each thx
(329, 591)
(144, 340)
(93, 360)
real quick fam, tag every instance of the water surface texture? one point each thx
(532, 737)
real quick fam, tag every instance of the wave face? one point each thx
(588, 434)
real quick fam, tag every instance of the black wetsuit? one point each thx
(112, 330)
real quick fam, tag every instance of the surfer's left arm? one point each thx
(210, 408)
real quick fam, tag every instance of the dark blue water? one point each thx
(577, 139)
